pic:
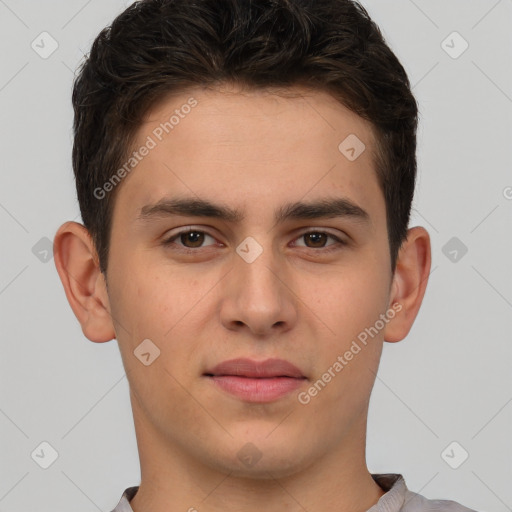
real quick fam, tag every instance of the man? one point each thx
(245, 172)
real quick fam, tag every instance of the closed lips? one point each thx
(243, 367)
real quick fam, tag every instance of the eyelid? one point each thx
(339, 240)
(170, 239)
(323, 231)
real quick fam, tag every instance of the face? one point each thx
(243, 231)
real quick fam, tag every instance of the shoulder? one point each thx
(398, 498)
(124, 502)
(414, 502)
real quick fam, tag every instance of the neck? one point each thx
(172, 480)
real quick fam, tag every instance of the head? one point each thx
(330, 46)
(245, 120)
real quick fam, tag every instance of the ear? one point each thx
(78, 266)
(409, 283)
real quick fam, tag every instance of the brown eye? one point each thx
(189, 239)
(196, 238)
(319, 239)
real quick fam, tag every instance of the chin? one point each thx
(264, 469)
(262, 458)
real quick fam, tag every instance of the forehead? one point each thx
(276, 145)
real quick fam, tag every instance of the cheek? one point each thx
(351, 306)
(347, 301)
(349, 351)
(159, 303)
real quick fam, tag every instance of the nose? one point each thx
(258, 295)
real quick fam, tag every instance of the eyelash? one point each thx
(333, 247)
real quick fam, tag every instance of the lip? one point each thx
(256, 381)
(244, 367)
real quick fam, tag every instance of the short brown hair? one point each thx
(156, 47)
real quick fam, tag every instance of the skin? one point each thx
(253, 151)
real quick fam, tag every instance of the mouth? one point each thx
(254, 381)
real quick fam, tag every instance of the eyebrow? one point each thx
(195, 207)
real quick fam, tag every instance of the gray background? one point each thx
(450, 380)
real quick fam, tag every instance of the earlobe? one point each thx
(78, 268)
(409, 283)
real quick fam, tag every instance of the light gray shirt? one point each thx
(397, 498)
